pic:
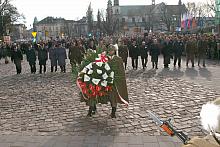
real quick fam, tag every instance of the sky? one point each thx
(71, 9)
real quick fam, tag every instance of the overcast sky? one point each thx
(71, 9)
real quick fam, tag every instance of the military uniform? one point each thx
(123, 53)
(190, 52)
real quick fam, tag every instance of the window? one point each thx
(133, 19)
(123, 20)
(143, 19)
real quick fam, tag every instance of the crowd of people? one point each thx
(169, 46)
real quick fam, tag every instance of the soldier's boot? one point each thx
(156, 65)
(94, 110)
(153, 64)
(113, 112)
(90, 111)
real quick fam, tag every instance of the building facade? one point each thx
(136, 19)
(51, 27)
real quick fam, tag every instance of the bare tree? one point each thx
(108, 22)
(9, 15)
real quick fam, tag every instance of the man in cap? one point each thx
(210, 119)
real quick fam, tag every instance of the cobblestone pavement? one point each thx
(48, 104)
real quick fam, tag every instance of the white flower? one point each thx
(111, 81)
(96, 81)
(89, 66)
(107, 66)
(104, 83)
(99, 71)
(112, 74)
(90, 72)
(99, 63)
(84, 70)
(86, 78)
(105, 76)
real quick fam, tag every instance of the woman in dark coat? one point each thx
(17, 57)
(31, 58)
(61, 56)
(42, 57)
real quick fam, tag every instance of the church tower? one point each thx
(116, 2)
(153, 2)
(180, 3)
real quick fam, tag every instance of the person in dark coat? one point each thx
(201, 50)
(75, 55)
(61, 56)
(31, 58)
(167, 52)
(154, 52)
(144, 54)
(191, 46)
(42, 57)
(134, 53)
(17, 57)
(178, 48)
(123, 52)
(53, 57)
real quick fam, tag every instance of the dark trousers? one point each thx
(201, 57)
(191, 58)
(177, 59)
(33, 68)
(18, 66)
(44, 68)
(134, 62)
(63, 68)
(52, 68)
(144, 61)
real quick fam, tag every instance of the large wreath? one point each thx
(97, 78)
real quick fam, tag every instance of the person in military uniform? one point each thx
(119, 93)
(123, 52)
(190, 50)
(134, 53)
(210, 119)
(75, 54)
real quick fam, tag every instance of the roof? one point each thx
(134, 10)
(51, 20)
(141, 10)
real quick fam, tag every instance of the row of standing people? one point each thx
(56, 53)
(168, 47)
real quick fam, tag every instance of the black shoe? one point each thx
(90, 112)
(113, 112)
(113, 115)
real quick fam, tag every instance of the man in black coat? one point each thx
(134, 53)
(144, 54)
(167, 52)
(178, 48)
(154, 52)
(42, 57)
(17, 57)
(31, 58)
